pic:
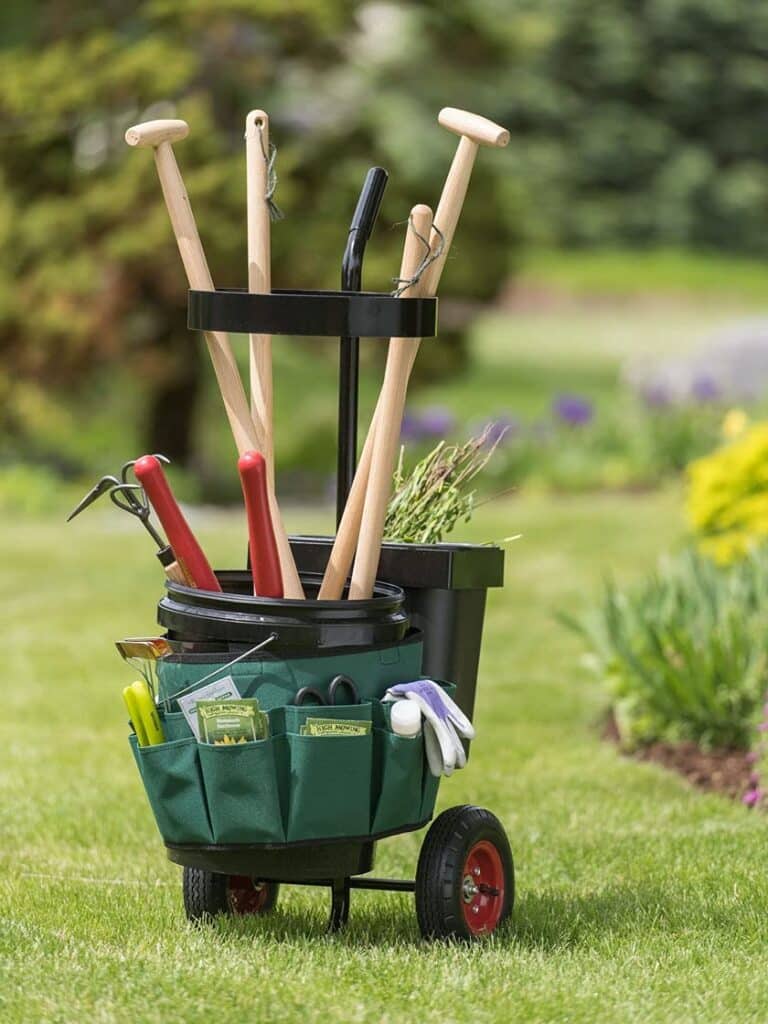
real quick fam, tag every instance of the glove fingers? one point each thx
(457, 716)
(434, 753)
(443, 735)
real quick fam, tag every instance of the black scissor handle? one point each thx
(309, 695)
(343, 681)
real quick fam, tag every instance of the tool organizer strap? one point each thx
(318, 313)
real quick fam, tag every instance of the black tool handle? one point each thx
(360, 228)
(367, 209)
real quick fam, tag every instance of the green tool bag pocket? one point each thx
(175, 726)
(246, 785)
(330, 776)
(296, 717)
(174, 784)
(404, 788)
(399, 768)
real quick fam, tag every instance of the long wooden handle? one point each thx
(389, 419)
(199, 278)
(244, 431)
(259, 273)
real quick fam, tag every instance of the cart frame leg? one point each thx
(340, 900)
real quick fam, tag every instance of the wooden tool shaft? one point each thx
(388, 421)
(449, 210)
(259, 273)
(199, 277)
(246, 435)
(343, 549)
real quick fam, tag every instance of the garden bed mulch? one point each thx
(716, 771)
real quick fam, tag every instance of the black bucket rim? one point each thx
(383, 594)
(238, 615)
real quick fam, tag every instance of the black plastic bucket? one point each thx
(235, 616)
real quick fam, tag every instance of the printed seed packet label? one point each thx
(334, 727)
(231, 721)
(221, 689)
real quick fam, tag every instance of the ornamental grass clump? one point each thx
(728, 496)
(684, 654)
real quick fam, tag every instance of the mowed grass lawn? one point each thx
(638, 898)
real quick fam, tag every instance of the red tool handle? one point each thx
(189, 554)
(265, 561)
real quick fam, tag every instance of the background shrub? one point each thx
(684, 653)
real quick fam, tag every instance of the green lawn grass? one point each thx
(711, 278)
(638, 900)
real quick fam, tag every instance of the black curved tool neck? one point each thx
(360, 228)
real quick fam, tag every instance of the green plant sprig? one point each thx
(429, 501)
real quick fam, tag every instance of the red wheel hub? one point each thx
(246, 896)
(482, 888)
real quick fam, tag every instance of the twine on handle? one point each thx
(275, 213)
(404, 283)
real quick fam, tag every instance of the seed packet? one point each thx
(221, 689)
(334, 727)
(231, 721)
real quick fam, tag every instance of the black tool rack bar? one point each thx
(318, 313)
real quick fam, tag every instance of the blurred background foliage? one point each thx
(635, 123)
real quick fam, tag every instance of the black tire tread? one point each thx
(205, 894)
(442, 855)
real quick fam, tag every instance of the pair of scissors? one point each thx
(311, 694)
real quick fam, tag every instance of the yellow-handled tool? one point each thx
(143, 713)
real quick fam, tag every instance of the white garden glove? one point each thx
(444, 724)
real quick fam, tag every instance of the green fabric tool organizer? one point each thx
(289, 788)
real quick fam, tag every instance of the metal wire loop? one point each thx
(404, 283)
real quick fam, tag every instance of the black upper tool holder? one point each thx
(349, 314)
(322, 314)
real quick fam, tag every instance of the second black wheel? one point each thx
(465, 879)
(207, 894)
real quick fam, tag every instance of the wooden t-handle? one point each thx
(388, 421)
(475, 130)
(160, 135)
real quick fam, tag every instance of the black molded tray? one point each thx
(324, 314)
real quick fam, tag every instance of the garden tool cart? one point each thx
(329, 775)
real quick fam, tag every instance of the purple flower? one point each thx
(434, 422)
(656, 396)
(411, 428)
(437, 421)
(501, 430)
(704, 388)
(752, 797)
(573, 410)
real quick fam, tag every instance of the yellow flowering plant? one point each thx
(727, 501)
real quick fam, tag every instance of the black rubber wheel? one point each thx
(207, 894)
(465, 878)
